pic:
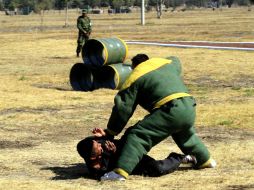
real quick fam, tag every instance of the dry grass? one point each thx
(42, 119)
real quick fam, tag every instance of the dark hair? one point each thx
(139, 58)
(84, 148)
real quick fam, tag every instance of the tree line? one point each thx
(37, 5)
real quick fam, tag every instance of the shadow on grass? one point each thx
(60, 87)
(184, 168)
(73, 171)
(80, 170)
(241, 187)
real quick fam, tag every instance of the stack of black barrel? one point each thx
(103, 65)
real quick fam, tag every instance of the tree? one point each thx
(66, 3)
(59, 4)
(12, 5)
(229, 2)
(117, 4)
(92, 3)
(243, 2)
(76, 3)
(41, 6)
(128, 3)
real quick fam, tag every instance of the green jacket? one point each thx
(84, 24)
(150, 85)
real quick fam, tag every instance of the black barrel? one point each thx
(81, 77)
(105, 51)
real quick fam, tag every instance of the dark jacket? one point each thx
(148, 166)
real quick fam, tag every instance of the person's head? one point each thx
(95, 154)
(84, 12)
(137, 59)
(91, 150)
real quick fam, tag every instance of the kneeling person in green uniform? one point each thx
(156, 85)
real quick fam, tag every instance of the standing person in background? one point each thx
(84, 26)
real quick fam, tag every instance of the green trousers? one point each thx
(175, 119)
(82, 39)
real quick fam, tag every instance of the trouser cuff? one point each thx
(121, 172)
(210, 163)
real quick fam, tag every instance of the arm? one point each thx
(125, 105)
(79, 24)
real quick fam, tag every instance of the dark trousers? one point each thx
(155, 168)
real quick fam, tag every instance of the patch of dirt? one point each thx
(224, 134)
(208, 81)
(59, 57)
(32, 29)
(15, 144)
(61, 87)
(240, 187)
(89, 115)
(244, 81)
(221, 134)
(28, 110)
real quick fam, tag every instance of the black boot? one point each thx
(176, 156)
(78, 50)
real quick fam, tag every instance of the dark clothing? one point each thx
(147, 166)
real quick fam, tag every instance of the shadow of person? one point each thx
(184, 168)
(73, 171)
(79, 170)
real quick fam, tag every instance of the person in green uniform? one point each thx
(156, 85)
(84, 26)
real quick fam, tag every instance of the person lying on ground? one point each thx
(100, 155)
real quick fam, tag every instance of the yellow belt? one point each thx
(169, 98)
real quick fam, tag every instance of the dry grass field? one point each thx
(42, 118)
